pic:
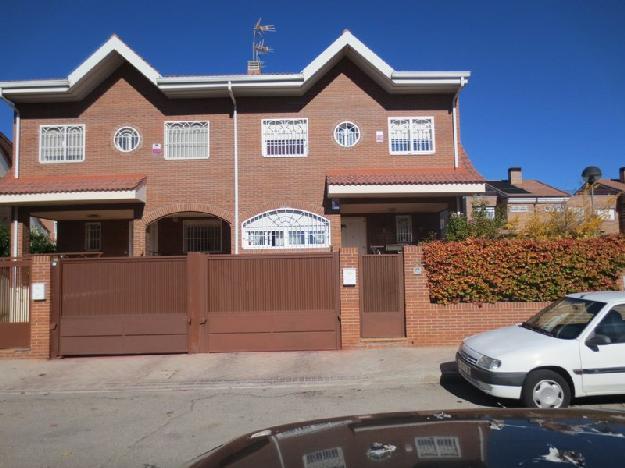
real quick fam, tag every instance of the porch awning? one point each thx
(123, 188)
(403, 182)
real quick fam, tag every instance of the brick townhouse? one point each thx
(348, 152)
(520, 198)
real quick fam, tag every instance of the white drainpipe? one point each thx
(16, 168)
(235, 118)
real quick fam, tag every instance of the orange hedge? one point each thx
(519, 270)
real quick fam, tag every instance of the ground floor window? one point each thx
(202, 235)
(403, 228)
(93, 236)
(286, 228)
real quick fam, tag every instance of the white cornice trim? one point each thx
(335, 191)
(526, 200)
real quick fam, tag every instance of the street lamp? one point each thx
(591, 175)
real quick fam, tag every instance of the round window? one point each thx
(127, 139)
(347, 134)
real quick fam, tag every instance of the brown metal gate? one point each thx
(265, 302)
(15, 303)
(382, 296)
(128, 305)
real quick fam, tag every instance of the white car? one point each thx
(575, 347)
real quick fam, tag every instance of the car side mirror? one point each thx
(597, 340)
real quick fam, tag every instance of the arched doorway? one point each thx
(187, 231)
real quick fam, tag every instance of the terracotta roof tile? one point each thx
(528, 188)
(399, 176)
(615, 184)
(55, 184)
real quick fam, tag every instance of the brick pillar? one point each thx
(350, 300)
(335, 231)
(138, 238)
(416, 293)
(23, 232)
(40, 310)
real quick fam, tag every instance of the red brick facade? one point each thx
(127, 98)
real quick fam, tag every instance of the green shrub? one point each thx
(40, 243)
(522, 270)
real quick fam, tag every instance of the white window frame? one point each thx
(410, 119)
(201, 222)
(318, 225)
(489, 211)
(519, 209)
(127, 127)
(358, 133)
(606, 214)
(63, 161)
(166, 140)
(88, 233)
(263, 138)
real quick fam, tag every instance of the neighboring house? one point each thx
(6, 151)
(609, 202)
(349, 152)
(520, 198)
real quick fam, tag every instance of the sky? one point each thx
(547, 90)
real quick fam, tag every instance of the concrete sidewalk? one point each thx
(234, 370)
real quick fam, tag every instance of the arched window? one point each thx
(286, 228)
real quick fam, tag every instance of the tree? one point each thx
(40, 243)
(481, 225)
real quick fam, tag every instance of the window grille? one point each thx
(127, 139)
(186, 140)
(347, 134)
(437, 447)
(519, 209)
(62, 143)
(411, 135)
(286, 228)
(489, 211)
(93, 236)
(403, 226)
(202, 235)
(607, 214)
(285, 137)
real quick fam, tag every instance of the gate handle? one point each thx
(53, 326)
(203, 321)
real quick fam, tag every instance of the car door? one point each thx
(603, 368)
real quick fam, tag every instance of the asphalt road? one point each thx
(166, 427)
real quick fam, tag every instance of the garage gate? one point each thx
(198, 303)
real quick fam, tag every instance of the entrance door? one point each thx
(354, 233)
(603, 369)
(382, 296)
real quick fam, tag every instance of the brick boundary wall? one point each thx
(39, 316)
(428, 324)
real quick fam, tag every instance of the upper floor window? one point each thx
(286, 228)
(186, 140)
(285, 137)
(411, 135)
(347, 134)
(127, 139)
(61, 143)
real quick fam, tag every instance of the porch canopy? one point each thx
(92, 213)
(61, 190)
(401, 182)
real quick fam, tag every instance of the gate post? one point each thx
(196, 290)
(40, 309)
(350, 300)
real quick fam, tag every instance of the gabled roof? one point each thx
(114, 52)
(613, 186)
(527, 188)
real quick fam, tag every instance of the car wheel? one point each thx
(546, 389)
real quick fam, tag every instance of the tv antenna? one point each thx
(258, 45)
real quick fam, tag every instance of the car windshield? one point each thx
(565, 318)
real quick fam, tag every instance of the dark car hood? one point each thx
(476, 438)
